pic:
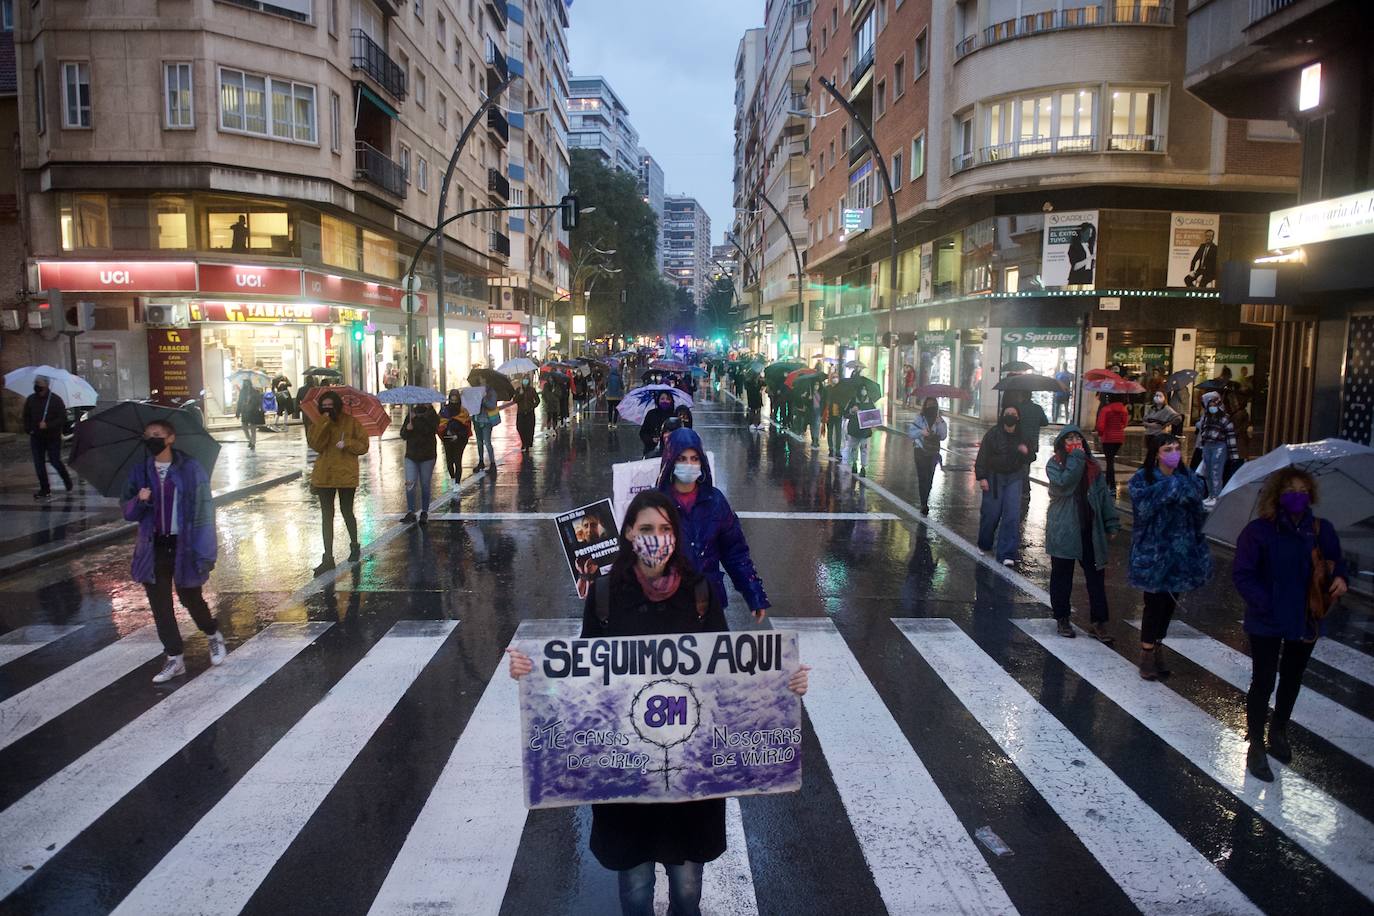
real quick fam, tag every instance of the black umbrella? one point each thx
(1181, 379)
(857, 387)
(109, 442)
(775, 373)
(1017, 366)
(494, 380)
(1029, 383)
(320, 372)
(1216, 384)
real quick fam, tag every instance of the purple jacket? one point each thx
(197, 545)
(712, 529)
(1272, 567)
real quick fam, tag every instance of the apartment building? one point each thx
(599, 121)
(651, 189)
(225, 184)
(755, 331)
(1061, 199)
(687, 245)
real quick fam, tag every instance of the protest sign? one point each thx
(870, 419)
(590, 540)
(659, 718)
(630, 477)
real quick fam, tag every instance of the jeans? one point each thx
(684, 889)
(484, 442)
(250, 432)
(1214, 467)
(1109, 451)
(48, 450)
(160, 597)
(847, 454)
(326, 495)
(453, 456)
(419, 473)
(925, 475)
(999, 517)
(1273, 656)
(1159, 610)
(834, 434)
(1061, 583)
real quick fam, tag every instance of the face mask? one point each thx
(932, 412)
(1170, 459)
(1159, 399)
(155, 444)
(1213, 409)
(1072, 446)
(687, 473)
(39, 389)
(1010, 420)
(653, 550)
(1295, 502)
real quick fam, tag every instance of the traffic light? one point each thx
(569, 212)
(359, 332)
(77, 317)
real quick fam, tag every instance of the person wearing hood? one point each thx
(1002, 458)
(553, 402)
(526, 415)
(1160, 418)
(926, 432)
(753, 392)
(709, 526)
(1169, 552)
(168, 494)
(652, 427)
(1082, 516)
(1216, 437)
(44, 415)
(615, 393)
(420, 432)
(455, 431)
(1112, 419)
(339, 439)
(1286, 600)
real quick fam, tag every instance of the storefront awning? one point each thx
(375, 99)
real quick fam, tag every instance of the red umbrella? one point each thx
(1101, 375)
(942, 391)
(365, 408)
(801, 375)
(1114, 386)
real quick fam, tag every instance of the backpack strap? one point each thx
(703, 596)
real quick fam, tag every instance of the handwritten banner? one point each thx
(659, 718)
(870, 419)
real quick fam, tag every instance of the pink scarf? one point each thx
(658, 589)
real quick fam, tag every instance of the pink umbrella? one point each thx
(1114, 386)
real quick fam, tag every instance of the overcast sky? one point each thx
(672, 62)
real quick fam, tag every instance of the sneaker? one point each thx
(218, 650)
(1064, 628)
(355, 553)
(67, 485)
(424, 518)
(1209, 503)
(43, 494)
(480, 467)
(1257, 762)
(1009, 562)
(1278, 743)
(1099, 632)
(175, 667)
(408, 518)
(325, 566)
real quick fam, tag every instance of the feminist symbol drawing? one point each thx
(665, 713)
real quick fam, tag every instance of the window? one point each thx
(335, 124)
(458, 52)
(332, 17)
(472, 10)
(380, 257)
(422, 174)
(269, 231)
(472, 75)
(1134, 120)
(920, 59)
(825, 38)
(420, 84)
(882, 15)
(880, 99)
(918, 156)
(178, 88)
(85, 221)
(405, 163)
(420, 9)
(863, 40)
(899, 78)
(963, 139)
(76, 95)
(1062, 122)
(339, 243)
(896, 172)
(441, 33)
(40, 114)
(443, 110)
(243, 106)
(6, 15)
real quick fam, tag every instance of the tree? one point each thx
(717, 312)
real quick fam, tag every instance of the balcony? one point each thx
(1120, 12)
(497, 184)
(499, 244)
(498, 71)
(858, 149)
(1135, 143)
(497, 125)
(1259, 9)
(500, 14)
(375, 167)
(369, 57)
(960, 162)
(863, 65)
(1057, 146)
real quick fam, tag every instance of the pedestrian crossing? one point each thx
(18, 643)
(917, 846)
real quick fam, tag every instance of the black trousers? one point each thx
(613, 405)
(524, 426)
(1274, 657)
(326, 495)
(1109, 450)
(925, 476)
(453, 456)
(160, 598)
(1154, 622)
(1061, 584)
(47, 450)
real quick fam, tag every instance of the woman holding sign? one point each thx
(653, 590)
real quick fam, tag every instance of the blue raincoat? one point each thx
(197, 544)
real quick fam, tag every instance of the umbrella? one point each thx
(640, 401)
(1017, 365)
(854, 364)
(1097, 375)
(1028, 383)
(1181, 379)
(1114, 386)
(493, 380)
(518, 366)
(776, 372)
(74, 390)
(942, 391)
(1216, 384)
(856, 387)
(1344, 472)
(109, 442)
(802, 375)
(365, 408)
(320, 372)
(411, 394)
(259, 378)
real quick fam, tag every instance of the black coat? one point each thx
(422, 437)
(44, 408)
(626, 835)
(526, 399)
(999, 454)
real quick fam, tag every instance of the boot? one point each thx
(1257, 762)
(1098, 631)
(325, 566)
(1149, 663)
(1278, 742)
(355, 552)
(1160, 664)
(1064, 628)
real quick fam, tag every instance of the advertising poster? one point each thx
(174, 366)
(659, 718)
(590, 541)
(927, 266)
(1193, 256)
(1069, 255)
(629, 477)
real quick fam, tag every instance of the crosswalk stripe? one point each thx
(1321, 715)
(1346, 659)
(548, 516)
(247, 831)
(40, 824)
(1116, 825)
(20, 642)
(727, 884)
(1333, 834)
(30, 709)
(921, 857)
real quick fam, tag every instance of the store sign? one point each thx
(1194, 260)
(1323, 221)
(118, 276)
(356, 292)
(1041, 337)
(238, 280)
(1070, 248)
(503, 330)
(935, 339)
(174, 366)
(262, 312)
(1109, 303)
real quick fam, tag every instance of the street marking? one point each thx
(1346, 659)
(463, 844)
(20, 642)
(1332, 833)
(548, 516)
(727, 884)
(40, 824)
(253, 824)
(1155, 866)
(823, 516)
(921, 857)
(1319, 714)
(30, 709)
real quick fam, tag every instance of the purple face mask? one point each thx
(1170, 459)
(1295, 502)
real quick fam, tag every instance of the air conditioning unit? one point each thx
(165, 315)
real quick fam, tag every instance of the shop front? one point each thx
(971, 369)
(935, 356)
(1051, 352)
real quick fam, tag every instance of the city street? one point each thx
(359, 750)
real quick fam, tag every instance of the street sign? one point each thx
(410, 303)
(858, 220)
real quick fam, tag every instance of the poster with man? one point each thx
(1193, 255)
(590, 541)
(659, 718)
(1069, 253)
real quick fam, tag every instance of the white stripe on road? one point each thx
(549, 516)
(49, 698)
(1156, 867)
(1333, 834)
(1321, 715)
(40, 824)
(20, 642)
(727, 884)
(219, 865)
(921, 857)
(1346, 659)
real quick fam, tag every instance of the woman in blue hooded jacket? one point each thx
(709, 525)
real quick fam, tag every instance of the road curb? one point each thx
(113, 531)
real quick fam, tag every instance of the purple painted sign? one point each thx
(660, 718)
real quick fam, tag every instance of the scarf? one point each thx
(658, 589)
